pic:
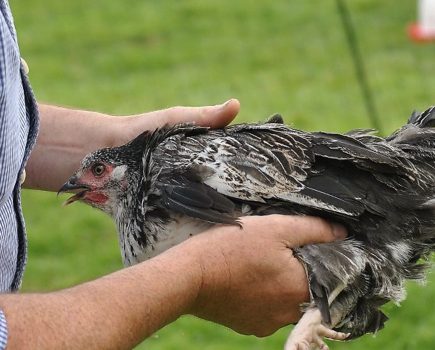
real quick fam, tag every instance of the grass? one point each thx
(281, 56)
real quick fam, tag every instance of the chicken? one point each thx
(167, 185)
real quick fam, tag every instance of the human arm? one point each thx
(67, 135)
(245, 279)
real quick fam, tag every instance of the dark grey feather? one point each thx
(382, 190)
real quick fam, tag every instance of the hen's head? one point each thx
(106, 175)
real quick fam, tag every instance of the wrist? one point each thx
(184, 273)
(212, 273)
(124, 128)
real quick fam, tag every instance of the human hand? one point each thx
(216, 116)
(251, 281)
(67, 135)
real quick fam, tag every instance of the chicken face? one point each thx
(99, 182)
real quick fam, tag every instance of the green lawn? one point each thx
(284, 56)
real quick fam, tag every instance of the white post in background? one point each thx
(424, 29)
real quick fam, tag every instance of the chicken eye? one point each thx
(98, 169)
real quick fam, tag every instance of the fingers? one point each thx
(303, 230)
(299, 230)
(213, 116)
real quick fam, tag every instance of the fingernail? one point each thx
(225, 104)
(339, 231)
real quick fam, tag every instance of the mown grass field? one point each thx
(283, 56)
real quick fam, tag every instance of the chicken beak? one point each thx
(72, 184)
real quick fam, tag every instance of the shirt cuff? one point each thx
(3, 331)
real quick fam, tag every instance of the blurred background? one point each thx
(291, 57)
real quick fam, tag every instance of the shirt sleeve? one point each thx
(3, 331)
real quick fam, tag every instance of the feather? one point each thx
(183, 195)
(182, 179)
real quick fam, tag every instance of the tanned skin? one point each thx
(246, 279)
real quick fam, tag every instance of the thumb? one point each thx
(303, 230)
(213, 116)
(220, 116)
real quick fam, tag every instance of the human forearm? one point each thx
(67, 135)
(246, 279)
(114, 312)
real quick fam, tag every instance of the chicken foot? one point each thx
(309, 331)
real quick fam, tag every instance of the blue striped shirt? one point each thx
(3, 331)
(18, 128)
